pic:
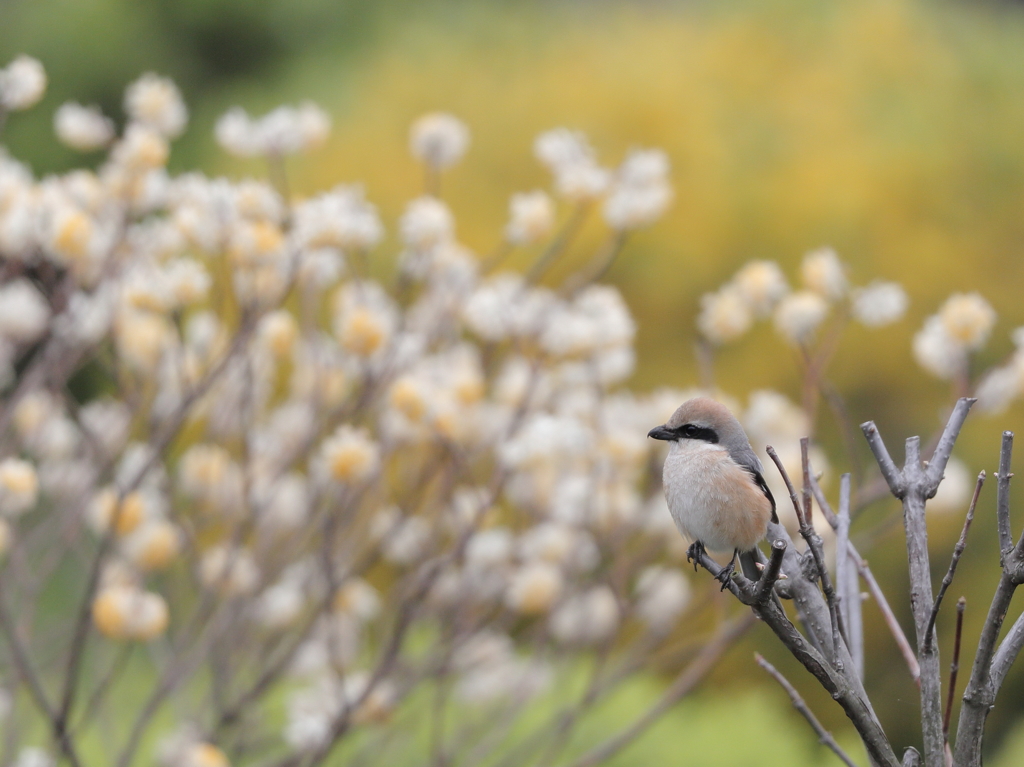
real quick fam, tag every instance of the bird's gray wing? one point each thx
(748, 459)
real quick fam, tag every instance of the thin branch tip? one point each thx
(892, 474)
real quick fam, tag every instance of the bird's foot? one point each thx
(694, 553)
(726, 573)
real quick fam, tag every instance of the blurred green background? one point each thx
(889, 129)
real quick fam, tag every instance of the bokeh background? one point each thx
(892, 130)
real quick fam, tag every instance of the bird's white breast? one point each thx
(712, 498)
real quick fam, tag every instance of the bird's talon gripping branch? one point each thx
(726, 573)
(695, 553)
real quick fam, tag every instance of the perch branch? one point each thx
(771, 573)
(843, 689)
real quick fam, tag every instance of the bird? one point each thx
(714, 484)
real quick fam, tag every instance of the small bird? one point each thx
(714, 485)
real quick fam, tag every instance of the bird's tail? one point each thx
(748, 560)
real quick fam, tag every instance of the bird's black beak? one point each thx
(662, 432)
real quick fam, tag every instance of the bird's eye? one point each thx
(689, 430)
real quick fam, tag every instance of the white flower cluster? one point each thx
(290, 453)
(961, 326)
(760, 290)
(636, 194)
(22, 84)
(286, 130)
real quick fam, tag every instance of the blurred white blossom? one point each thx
(283, 131)
(762, 285)
(967, 319)
(438, 139)
(571, 160)
(82, 128)
(879, 304)
(587, 618)
(955, 490)
(798, 315)
(156, 102)
(824, 273)
(640, 192)
(22, 83)
(724, 315)
(23, 312)
(531, 217)
(962, 325)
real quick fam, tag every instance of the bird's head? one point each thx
(701, 418)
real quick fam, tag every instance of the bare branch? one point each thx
(937, 463)
(785, 476)
(826, 508)
(958, 550)
(817, 551)
(980, 692)
(824, 736)
(561, 240)
(893, 476)
(916, 488)
(1007, 653)
(30, 677)
(1003, 495)
(911, 758)
(847, 581)
(771, 573)
(954, 667)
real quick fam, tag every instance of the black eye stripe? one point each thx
(692, 431)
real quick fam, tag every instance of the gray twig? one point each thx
(937, 463)
(1003, 495)
(847, 581)
(990, 667)
(911, 758)
(893, 476)
(958, 550)
(813, 544)
(954, 667)
(771, 573)
(824, 736)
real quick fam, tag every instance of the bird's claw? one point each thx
(725, 574)
(694, 553)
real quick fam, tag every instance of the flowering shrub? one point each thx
(297, 480)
